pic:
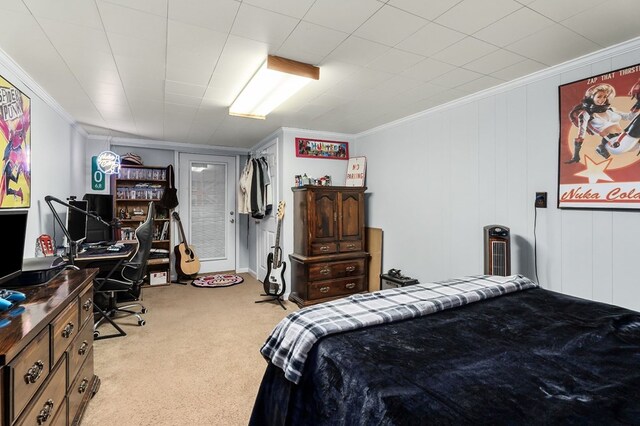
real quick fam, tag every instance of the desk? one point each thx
(101, 254)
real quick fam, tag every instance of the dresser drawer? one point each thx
(28, 371)
(86, 304)
(80, 385)
(323, 271)
(50, 401)
(63, 329)
(339, 287)
(79, 350)
(324, 248)
(349, 246)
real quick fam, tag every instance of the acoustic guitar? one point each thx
(187, 263)
(274, 284)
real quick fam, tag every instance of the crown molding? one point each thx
(588, 59)
(167, 145)
(36, 90)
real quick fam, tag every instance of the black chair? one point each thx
(130, 276)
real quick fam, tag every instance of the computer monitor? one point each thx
(100, 205)
(14, 229)
(77, 221)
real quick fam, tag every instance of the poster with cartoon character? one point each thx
(15, 138)
(599, 165)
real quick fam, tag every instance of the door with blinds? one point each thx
(208, 209)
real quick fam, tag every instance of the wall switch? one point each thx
(541, 200)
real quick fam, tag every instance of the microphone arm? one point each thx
(72, 244)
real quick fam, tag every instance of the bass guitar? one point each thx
(187, 263)
(273, 283)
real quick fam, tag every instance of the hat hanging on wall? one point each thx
(131, 159)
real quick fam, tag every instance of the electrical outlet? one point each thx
(541, 200)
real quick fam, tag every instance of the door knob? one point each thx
(232, 221)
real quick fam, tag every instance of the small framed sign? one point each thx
(318, 148)
(356, 171)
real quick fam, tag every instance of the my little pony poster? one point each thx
(15, 138)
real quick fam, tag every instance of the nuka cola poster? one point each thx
(599, 163)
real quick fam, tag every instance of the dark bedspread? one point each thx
(531, 357)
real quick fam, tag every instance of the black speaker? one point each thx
(101, 205)
(497, 250)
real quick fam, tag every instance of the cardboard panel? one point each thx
(374, 248)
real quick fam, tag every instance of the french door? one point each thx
(207, 209)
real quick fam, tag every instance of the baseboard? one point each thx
(242, 270)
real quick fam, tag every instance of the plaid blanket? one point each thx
(293, 337)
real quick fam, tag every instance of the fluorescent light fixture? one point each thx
(275, 81)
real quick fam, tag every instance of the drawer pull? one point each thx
(325, 289)
(350, 268)
(83, 348)
(351, 246)
(87, 305)
(34, 373)
(67, 330)
(83, 385)
(325, 271)
(350, 285)
(324, 248)
(45, 412)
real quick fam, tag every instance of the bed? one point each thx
(525, 356)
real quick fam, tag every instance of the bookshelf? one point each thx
(132, 188)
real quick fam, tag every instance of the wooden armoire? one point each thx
(329, 260)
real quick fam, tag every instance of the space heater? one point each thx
(497, 250)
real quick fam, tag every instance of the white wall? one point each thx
(437, 178)
(56, 147)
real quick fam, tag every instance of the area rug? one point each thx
(217, 280)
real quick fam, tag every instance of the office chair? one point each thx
(131, 275)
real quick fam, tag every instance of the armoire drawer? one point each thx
(63, 329)
(28, 371)
(80, 386)
(324, 248)
(323, 271)
(50, 400)
(79, 350)
(339, 287)
(349, 246)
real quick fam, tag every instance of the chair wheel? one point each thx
(96, 334)
(141, 322)
(144, 310)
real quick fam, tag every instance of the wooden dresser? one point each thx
(329, 260)
(46, 352)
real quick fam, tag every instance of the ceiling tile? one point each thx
(430, 39)
(154, 51)
(342, 15)
(262, 25)
(469, 16)
(358, 51)
(518, 70)
(216, 15)
(390, 26)
(560, 10)
(295, 8)
(79, 12)
(174, 98)
(389, 88)
(427, 70)
(311, 41)
(494, 61)
(513, 27)
(479, 84)
(395, 61)
(544, 46)
(456, 77)
(427, 9)
(464, 51)
(196, 40)
(75, 35)
(627, 24)
(178, 88)
(132, 23)
(156, 7)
